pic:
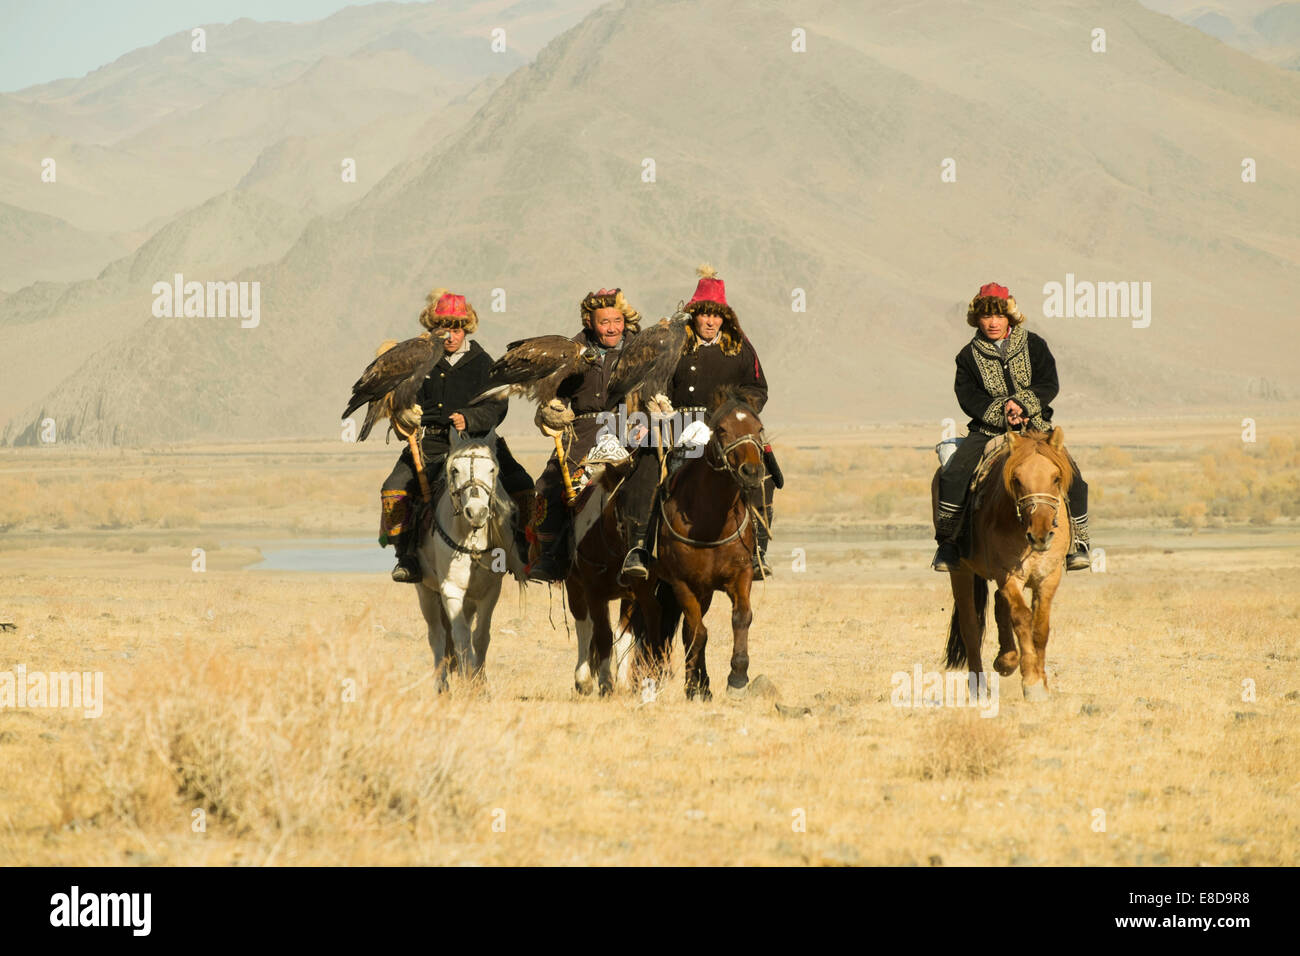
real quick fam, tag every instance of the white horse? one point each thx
(465, 556)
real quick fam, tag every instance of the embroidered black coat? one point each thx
(588, 393)
(448, 389)
(1025, 372)
(707, 368)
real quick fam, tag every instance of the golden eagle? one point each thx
(535, 367)
(392, 381)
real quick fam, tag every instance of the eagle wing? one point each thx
(535, 368)
(392, 381)
(650, 358)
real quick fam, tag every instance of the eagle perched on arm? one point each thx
(535, 367)
(392, 381)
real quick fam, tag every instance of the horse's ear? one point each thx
(1057, 439)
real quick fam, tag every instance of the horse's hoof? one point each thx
(737, 693)
(1006, 664)
(584, 686)
(1035, 693)
(706, 695)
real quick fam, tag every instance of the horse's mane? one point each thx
(1034, 443)
(726, 399)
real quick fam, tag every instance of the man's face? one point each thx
(707, 326)
(994, 327)
(453, 341)
(608, 326)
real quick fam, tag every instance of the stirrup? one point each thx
(946, 558)
(408, 570)
(634, 567)
(761, 568)
(1079, 559)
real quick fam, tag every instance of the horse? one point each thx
(464, 554)
(1016, 515)
(593, 582)
(705, 542)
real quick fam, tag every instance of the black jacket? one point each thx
(1026, 374)
(701, 372)
(449, 388)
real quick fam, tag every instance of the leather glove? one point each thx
(553, 417)
(408, 419)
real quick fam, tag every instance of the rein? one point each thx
(757, 439)
(457, 508)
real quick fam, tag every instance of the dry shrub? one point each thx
(960, 743)
(268, 747)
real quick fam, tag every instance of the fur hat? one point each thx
(443, 310)
(610, 299)
(993, 299)
(711, 299)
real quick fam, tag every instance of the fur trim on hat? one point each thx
(434, 322)
(594, 300)
(993, 305)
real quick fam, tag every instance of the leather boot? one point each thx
(636, 566)
(407, 570)
(762, 535)
(551, 523)
(946, 528)
(523, 519)
(1079, 558)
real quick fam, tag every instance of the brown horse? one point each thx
(592, 583)
(1020, 534)
(706, 542)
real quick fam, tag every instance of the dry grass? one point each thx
(228, 692)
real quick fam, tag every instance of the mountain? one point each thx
(818, 171)
(163, 129)
(1263, 28)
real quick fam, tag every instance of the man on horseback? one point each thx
(443, 405)
(607, 322)
(1006, 378)
(717, 353)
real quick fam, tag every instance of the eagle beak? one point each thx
(590, 356)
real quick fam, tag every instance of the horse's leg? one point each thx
(1042, 617)
(741, 616)
(602, 645)
(694, 639)
(1008, 657)
(485, 604)
(431, 608)
(581, 611)
(968, 619)
(1031, 674)
(624, 646)
(453, 598)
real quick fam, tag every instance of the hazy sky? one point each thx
(43, 40)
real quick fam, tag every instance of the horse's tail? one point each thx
(956, 646)
(670, 615)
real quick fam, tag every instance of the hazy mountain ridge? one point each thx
(818, 171)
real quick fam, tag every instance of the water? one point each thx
(323, 555)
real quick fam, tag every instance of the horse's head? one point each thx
(1037, 478)
(736, 445)
(471, 473)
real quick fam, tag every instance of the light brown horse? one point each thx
(1020, 535)
(706, 542)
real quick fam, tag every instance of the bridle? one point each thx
(1035, 499)
(758, 440)
(457, 506)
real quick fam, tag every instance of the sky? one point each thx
(43, 40)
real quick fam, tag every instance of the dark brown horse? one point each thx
(592, 583)
(1020, 534)
(705, 542)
